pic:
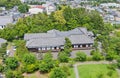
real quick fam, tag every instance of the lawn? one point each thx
(38, 75)
(96, 71)
(72, 73)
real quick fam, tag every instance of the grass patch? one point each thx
(96, 71)
(72, 73)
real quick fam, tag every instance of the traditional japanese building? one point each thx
(54, 40)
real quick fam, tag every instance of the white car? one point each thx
(7, 52)
(14, 47)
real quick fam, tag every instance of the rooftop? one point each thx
(57, 38)
(4, 20)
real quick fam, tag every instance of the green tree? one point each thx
(67, 46)
(97, 56)
(2, 2)
(30, 68)
(80, 56)
(66, 69)
(11, 3)
(29, 59)
(117, 48)
(3, 50)
(21, 49)
(11, 62)
(63, 57)
(23, 8)
(110, 55)
(47, 63)
(58, 73)
(18, 74)
(1, 68)
(9, 74)
(95, 45)
(118, 62)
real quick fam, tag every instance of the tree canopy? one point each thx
(58, 73)
(65, 19)
(11, 63)
(10, 3)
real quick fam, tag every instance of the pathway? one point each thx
(76, 71)
(118, 70)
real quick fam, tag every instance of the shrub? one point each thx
(11, 62)
(63, 57)
(9, 74)
(110, 73)
(89, 58)
(18, 74)
(97, 56)
(29, 59)
(80, 56)
(58, 73)
(66, 70)
(112, 66)
(92, 52)
(1, 68)
(110, 55)
(30, 68)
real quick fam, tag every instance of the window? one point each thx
(84, 45)
(55, 48)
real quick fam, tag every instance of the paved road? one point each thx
(91, 62)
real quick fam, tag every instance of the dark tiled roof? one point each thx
(57, 38)
(4, 20)
(45, 42)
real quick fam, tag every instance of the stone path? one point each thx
(90, 62)
(76, 71)
(118, 70)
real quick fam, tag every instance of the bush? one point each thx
(66, 70)
(11, 62)
(30, 68)
(97, 56)
(110, 55)
(18, 74)
(29, 59)
(1, 68)
(80, 56)
(118, 62)
(117, 33)
(47, 63)
(89, 58)
(92, 52)
(9, 74)
(71, 62)
(110, 73)
(112, 66)
(63, 57)
(58, 73)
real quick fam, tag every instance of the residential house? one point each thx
(4, 20)
(35, 9)
(54, 40)
(106, 5)
(49, 7)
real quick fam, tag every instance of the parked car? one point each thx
(14, 47)
(7, 52)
